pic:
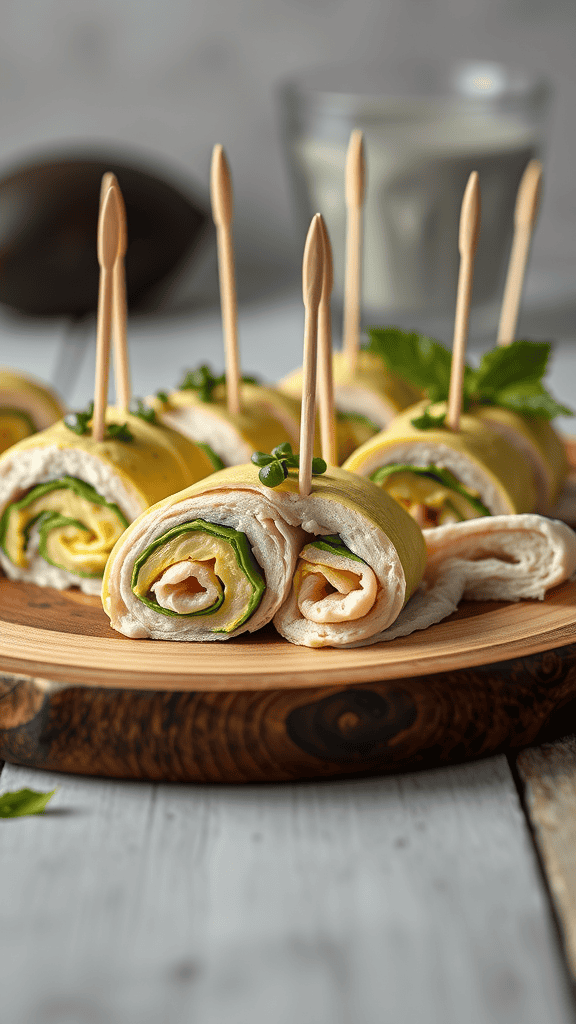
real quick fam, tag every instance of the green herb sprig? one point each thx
(274, 467)
(427, 421)
(144, 412)
(510, 376)
(204, 382)
(79, 423)
(23, 802)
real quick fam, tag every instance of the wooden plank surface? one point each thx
(411, 898)
(549, 776)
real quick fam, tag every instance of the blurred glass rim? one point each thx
(372, 90)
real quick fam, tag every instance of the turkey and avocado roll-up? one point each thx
(26, 406)
(369, 398)
(65, 498)
(537, 441)
(441, 476)
(211, 562)
(198, 410)
(223, 556)
(362, 560)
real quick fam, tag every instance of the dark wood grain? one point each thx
(286, 734)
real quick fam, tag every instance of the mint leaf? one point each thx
(532, 400)
(427, 421)
(417, 359)
(23, 802)
(522, 362)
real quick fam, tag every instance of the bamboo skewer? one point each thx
(325, 375)
(109, 230)
(312, 278)
(222, 209)
(354, 190)
(525, 214)
(467, 243)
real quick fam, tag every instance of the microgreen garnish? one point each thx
(427, 421)
(274, 467)
(79, 423)
(145, 412)
(204, 382)
(22, 802)
(118, 432)
(509, 376)
(163, 396)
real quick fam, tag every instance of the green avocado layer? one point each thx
(244, 558)
(50, 519)
(335, 546)
(441, 476)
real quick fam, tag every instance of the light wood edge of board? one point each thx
(495, 633)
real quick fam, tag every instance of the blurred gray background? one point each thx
(175, 77)
(170, 79)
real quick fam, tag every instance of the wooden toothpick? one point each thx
(222, 208)
(119, 303)
(312, 275)
(525, 213)
(467, 243)
(354, 189)
(325, 376)
(109, 229)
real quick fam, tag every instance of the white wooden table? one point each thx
(414, 899)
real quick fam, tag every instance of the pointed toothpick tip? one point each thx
(355, 185)
(221, 187)
(328, 277)
(529, 195)
(109, 229)
(313, 264)
(470, 217)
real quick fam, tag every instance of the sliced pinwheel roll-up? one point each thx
(537, 441)
(222, 557)
(441, 476)
(369, 398)
(362, 560)
(26, 406)
(198, 410)
(211, 562)
(65, 498)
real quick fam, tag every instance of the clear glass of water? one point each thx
(426, 128)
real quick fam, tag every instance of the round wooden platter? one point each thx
(75, 696)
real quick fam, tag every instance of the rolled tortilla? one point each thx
(220, 558)
(267, 419)
(363, 559)
(441, 476)
(370, 397)
(26, 406)
(538, 442)
(503, 558)
(209, 563)
(65, 498)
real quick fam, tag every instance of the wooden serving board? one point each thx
(75, 696)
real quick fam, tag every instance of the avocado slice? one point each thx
(441, 476)
(227, 549)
